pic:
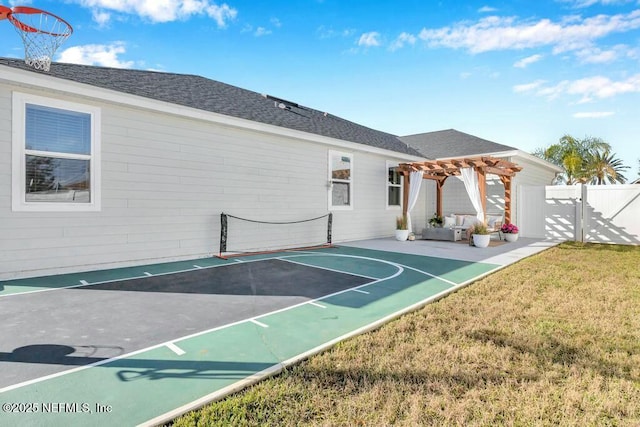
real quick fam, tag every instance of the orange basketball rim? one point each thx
(4, 10)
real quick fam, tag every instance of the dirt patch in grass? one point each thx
(551, 340)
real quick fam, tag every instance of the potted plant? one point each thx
(480, 235)
(402, 231)
(510, 232)
(435, 220)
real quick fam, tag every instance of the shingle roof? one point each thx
(210, 95)
(452, 143)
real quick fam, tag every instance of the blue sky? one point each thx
(521, 73)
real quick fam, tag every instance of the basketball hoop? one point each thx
(4, 11)
(42, 33)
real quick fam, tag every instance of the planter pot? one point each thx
(402, 235)
(511, 237)
(481, 240)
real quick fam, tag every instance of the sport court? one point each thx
(142, 345)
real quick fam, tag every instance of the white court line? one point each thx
(279, 367)
(84, 282)
(197, 266)
(361, 291)
(325, 268)
(262, 325)
(378, 260)
(177, 350)
(196, 334)
(124, 279)
(317, 305)
(146, 273)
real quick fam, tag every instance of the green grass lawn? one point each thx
(551, 340)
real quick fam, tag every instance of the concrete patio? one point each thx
(500, 252)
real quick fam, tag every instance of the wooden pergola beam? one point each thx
(440, 170)
(506, 181)
(405, 193)
(482, 186)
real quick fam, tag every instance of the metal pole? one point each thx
(223, 233)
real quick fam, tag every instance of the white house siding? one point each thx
(456, 200)
(165, 180)
(532, 174)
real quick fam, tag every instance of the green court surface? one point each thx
(153, 385)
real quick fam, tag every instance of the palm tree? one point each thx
(573, 155)
(566, 154)
(603, 167)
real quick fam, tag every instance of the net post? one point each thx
(329, 227)
(223, 233)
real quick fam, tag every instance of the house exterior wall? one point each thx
(532, 174)
(456, 201)
(165, 181)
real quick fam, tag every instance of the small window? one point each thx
(55, 151)
(394, 187)
(340, 180)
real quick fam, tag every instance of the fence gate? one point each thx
(611, 214)
(530, 211)
(589, 213)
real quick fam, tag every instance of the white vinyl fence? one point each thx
(587, 213)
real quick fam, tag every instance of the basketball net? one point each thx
(42, 34)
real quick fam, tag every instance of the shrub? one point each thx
(401, 222)
(509, 228)
(436, 220)
(480, 228)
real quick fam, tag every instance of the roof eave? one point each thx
(32, 80)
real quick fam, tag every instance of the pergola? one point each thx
(440, 170)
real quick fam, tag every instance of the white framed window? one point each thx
(56, 155)
(340, 181)
(394, 187)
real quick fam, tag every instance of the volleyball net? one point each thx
(245, 236)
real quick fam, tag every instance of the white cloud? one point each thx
(276, 22)
(401, 40)
(102, 18)
(370, 39)
(487, 9)
(602, 87)
(328, 32)
(166, 10)
(528, 87)
(261, 31)
(96, 54)
(588, 89)
(588, 3)
(595, 55)
(504, 33)
(221, 14)
(524, 62)
(593, 115)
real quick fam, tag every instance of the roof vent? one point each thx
(280, 101)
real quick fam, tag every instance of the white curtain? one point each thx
(415, 181)
(470, 179)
